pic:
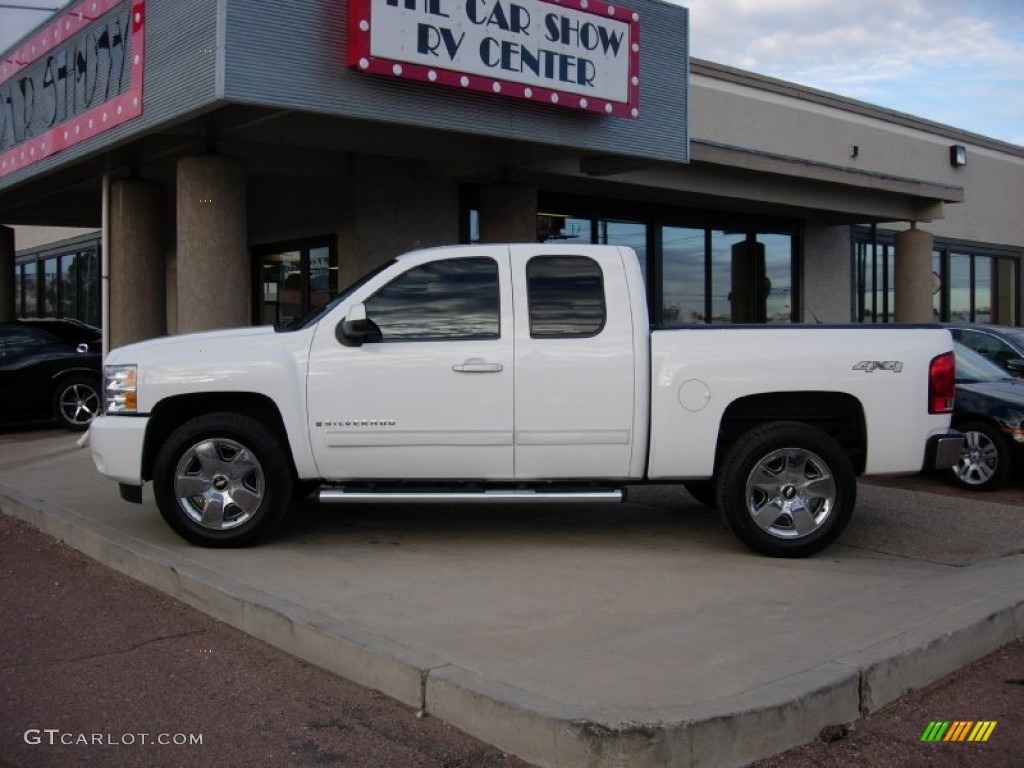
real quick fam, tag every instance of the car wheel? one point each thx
(703, 491)
(76, 402)
(222, 480)
(985, 462)
(787, 489)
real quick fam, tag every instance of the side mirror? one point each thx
(1014, 366)
(355, 328)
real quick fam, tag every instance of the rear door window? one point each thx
(566, 297)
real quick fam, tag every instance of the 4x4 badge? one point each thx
(870, 366)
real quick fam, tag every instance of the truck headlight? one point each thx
(120, 391)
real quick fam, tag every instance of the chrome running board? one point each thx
(342, 496)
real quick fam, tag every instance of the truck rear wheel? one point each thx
(787, 489)
(222, 480)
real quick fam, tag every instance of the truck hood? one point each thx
(197, 342)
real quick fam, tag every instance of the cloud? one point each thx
(956, 61)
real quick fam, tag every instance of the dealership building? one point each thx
(234, 162)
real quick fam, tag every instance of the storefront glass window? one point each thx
(1004, 291)
(876, 274)
(723, 245)
(281, 287)
(293, 279)
(323, 277)
(693, 273)
(626, 233)
(30, 307)
(778, 261)
(982, 289)
(960, 288)
(19, 290)
(683, 288)
(69, 285)
(89, 284)
(555, 228)
(51, 287)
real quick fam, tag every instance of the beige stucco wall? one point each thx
(783, 120)
(27, 237)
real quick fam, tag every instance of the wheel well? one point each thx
(171, 413)
(73, 373)
(835, 413)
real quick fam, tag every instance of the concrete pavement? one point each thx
(640, 634)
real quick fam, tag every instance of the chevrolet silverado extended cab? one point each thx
(520, 373)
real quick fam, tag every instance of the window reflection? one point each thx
(967, 285)
(960, 287)
(450, 299)
(695, 274)
(982, 289)
(69, 285)
(630, 234)
(89, 282)
(51, 287)
(293, 279)
(876, 275)
(566, 296)
(778, 252)
(682, 276)
(723, 245)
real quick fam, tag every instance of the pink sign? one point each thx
(77, 78)
(580, 54)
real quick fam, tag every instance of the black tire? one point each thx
(76, 402)
(222, 480)
(703, 491)
(986, 462)
(787, 489)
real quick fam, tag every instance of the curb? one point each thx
(723, 733)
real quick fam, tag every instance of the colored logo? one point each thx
(958, 730)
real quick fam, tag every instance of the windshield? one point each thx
(298, 323)
(972, 368)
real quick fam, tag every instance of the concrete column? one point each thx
(7, 275)
(137, 285)
(213, 270)
(828, 284)
(750, 288)
(913, 268)
(508, 213)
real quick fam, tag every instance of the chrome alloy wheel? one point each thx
(979, 460)
(79, 404)
(219, 484)
(790, 493)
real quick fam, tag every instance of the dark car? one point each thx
(50, 369)
(989, 410)
(1002, 344)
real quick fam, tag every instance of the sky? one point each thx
(958, 62)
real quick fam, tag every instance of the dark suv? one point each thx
(50, 369)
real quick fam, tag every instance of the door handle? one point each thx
(477, 365)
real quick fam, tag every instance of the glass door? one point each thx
(293, 279)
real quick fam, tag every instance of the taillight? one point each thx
(942, 384)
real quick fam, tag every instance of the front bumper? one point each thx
(944, 450)
(116, 443)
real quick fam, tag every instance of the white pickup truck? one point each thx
(520, 373)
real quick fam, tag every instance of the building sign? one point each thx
(80, 76)
(581, 54)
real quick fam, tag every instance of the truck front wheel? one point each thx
(222, 480)
(787, 489)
